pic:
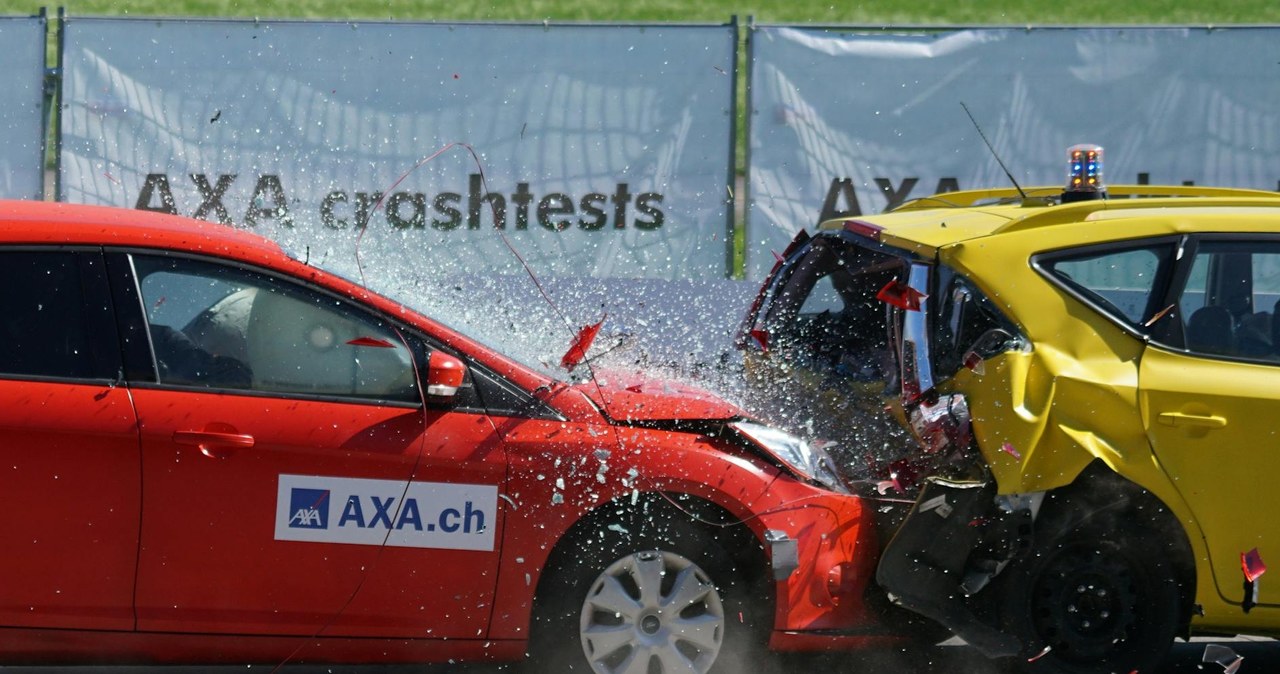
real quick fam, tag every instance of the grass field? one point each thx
(886, 12)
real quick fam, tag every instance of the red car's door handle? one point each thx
(213, 444)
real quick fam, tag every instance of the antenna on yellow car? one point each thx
(1004, 168)
(1084, 174)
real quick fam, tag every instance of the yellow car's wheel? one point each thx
(1099, 599)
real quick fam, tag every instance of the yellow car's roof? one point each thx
(925, 225)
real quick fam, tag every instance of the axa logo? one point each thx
(309, 509)
(362, 511)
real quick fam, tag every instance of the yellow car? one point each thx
(1077, 394)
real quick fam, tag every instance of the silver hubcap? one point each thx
(652, 612)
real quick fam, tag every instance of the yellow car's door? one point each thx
(1215, 428)
(1210, 401)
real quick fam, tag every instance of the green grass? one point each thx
(883, 12)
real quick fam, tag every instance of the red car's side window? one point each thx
(224, 327)
(46, 328)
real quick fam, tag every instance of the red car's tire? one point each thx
(662, 593)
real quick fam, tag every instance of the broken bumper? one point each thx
(822, 547)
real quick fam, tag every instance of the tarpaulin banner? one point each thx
(852, 121)
(22, 64)
(602, 150)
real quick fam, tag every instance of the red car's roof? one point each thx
(53, 222)
(45, 222)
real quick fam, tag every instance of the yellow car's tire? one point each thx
(1099, 599)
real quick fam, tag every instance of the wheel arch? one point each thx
(636, 523)
(1101, 497)
(625, 512)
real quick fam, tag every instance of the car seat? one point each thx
(1211, 330)
(300, 346)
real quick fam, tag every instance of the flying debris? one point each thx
(1224, 656)
(901, 295)
(581, 343)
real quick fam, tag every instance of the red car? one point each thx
(214, 452)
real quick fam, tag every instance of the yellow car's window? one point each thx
(1124, 283)
(1228, 304)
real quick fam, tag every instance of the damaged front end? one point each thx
(860, 344)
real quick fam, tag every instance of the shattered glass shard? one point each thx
(1218, 653)
(1222, 655)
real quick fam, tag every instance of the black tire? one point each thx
(614, 580)
(1101, 600)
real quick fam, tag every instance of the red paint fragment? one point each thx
(578, 349)
(1251, 564)
(371, 341)
(901, 295)
(762, 338)
(1009, 449)
(975, 363)
(1041, 654)
(776, 256)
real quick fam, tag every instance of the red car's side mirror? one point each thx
(445, 375)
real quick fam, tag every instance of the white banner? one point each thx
(22, 116)
(850, 122)
(603, 150)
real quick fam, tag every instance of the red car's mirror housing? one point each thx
(444, 376)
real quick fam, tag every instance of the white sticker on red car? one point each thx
(368, 512)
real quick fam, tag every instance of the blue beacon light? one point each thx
(1084, 174)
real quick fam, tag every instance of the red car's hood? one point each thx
(631, 397)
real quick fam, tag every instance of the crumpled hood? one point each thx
(636, 398)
